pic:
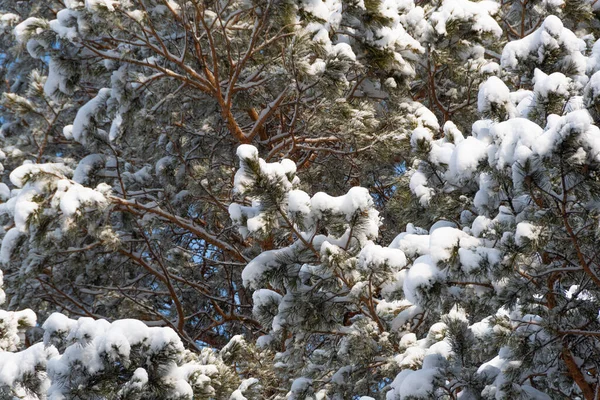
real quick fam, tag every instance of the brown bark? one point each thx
(262, 132)
(576, 374)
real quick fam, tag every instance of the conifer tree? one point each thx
(304, 199)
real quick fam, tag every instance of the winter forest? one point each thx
(300, 199)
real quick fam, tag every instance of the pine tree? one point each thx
(413, 215)
(144, 107)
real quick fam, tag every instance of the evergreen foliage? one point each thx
(300, 199)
